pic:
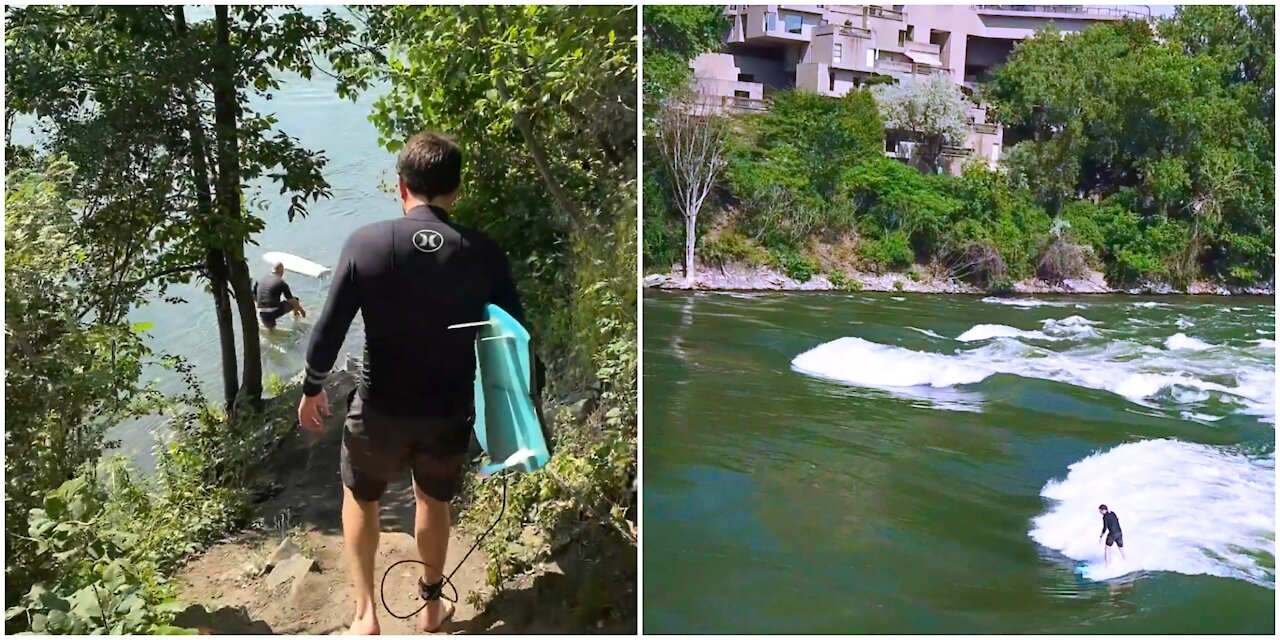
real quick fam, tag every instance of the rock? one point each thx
(293, 568)
(286, 550)
(655, 280)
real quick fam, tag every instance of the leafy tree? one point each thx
(154, 111)
(72, 363)
(546, 114)
(932, 107)
(673, 36)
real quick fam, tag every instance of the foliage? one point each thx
(729, 246)
(673, 36)
(70, 373)
(663, 234)
(1178, 127)
(932, 107)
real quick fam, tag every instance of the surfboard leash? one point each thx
(438, 588)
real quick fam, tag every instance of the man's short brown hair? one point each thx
(430, 164)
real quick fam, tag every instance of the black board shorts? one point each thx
(1116, 539)
(377, 447)
(269, 318)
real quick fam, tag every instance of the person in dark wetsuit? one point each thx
(273, 298)
(411, 278)
(1110, 529)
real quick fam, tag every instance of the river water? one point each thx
(880, 463)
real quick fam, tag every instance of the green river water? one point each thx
(880, 463)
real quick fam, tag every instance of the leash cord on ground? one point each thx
(447, 579)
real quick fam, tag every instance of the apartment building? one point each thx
(831, 49)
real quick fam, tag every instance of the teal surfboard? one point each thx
(508, 423)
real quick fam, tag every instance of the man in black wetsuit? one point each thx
(1111, 529)
(412, 278)
(274, 299)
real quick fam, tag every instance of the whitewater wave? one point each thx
(1143, 374)
(1026, 303)
(1181, 341)
(1184, 507)
(988, 331)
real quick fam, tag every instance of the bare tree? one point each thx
(691, 140)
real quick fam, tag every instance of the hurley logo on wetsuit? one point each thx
(428, 240)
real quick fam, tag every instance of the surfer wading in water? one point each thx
(273, 298)
(411, 278)
(1110, 529)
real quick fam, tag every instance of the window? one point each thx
(911, 33)
(741, 94)
(832, 75)
(793, 22)
(746, 77)
(837, 51)
(902, 38)
(770, 21)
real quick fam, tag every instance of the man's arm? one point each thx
(331, 329)
(288, 293)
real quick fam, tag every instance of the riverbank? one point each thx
(739, 277)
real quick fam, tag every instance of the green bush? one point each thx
(892, 251)
(795, 265)
(731, 246)
(663, 228)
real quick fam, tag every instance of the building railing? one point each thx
(881, 12)
(855, 32)
(917, 68)
(741, 104)
(984, 128)
(1110, 12)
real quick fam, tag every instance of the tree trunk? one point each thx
(690, 222)
(225, 109)
(215, 262)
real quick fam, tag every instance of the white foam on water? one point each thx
(1149, 304)
(989, 331)
(1184, 507)
(1181, 341)
(1184, 323)
(1026, 303)
(897, 299)
(1143, 374)
(1074, 327)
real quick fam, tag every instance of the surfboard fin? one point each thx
(512, 460)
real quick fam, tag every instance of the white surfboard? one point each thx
(296, 264)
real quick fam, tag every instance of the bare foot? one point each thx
(435, 615)
(366, 626)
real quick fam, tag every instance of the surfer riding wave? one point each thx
(1110, 529)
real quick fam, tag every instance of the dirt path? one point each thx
(238, 594)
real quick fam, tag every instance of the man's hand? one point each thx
(312, 411)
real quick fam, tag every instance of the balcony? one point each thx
(984, 128)
(872, 11)
(736, 103)
(1084, 12)
(914, 68)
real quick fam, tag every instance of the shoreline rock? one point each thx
(756, 278)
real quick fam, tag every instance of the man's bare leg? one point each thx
(1106, 556)
(431, 524)
(360, 539)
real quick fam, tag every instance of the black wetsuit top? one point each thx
(412, 278)
(270, 292)
(1111, 522)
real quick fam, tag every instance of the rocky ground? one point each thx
(285, 574)
(736, 277)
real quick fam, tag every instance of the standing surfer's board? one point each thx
(508, 424)
(296, 264)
